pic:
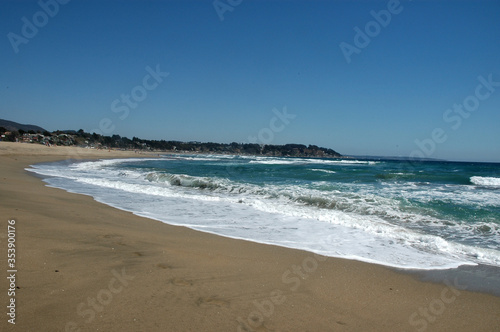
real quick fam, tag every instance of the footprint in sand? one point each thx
(164, 266)
(180, 282)
(212, 301)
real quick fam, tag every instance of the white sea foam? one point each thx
(360, 223)
(485, 181)
(425, 192)
(92, 165)
(323, 170)
(268, 160)
(295, 161)
(277, 162)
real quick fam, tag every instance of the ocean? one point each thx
(428, 215)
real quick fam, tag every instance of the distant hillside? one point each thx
(94, 140)
(13, 126)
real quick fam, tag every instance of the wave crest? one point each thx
(485, 181)
(182, 180)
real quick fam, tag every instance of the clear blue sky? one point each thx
(225, 77)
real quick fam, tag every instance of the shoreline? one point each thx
(147, 275)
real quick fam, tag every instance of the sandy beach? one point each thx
(84, 266)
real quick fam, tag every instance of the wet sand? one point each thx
(85, 266)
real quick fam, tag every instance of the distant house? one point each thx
(33, 138)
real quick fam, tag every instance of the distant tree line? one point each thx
(94, 140)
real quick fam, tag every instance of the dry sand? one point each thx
(85, 266)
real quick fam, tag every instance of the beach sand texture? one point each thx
(85, 266)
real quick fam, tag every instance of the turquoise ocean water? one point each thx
(427, 215)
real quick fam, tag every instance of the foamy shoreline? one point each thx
(72, 248)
